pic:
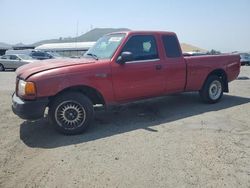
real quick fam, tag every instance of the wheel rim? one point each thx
(215, 90)
(70, 115)
(1, 68)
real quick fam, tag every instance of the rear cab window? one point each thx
(171, 46)
(143, 47)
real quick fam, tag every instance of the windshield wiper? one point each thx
(93, 55)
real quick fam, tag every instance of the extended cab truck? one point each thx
(120, 68)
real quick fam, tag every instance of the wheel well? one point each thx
(221, 74)
(94, 95)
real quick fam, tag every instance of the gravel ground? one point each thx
(173, 141)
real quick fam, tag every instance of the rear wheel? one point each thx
(212, 90)
(2, 67)
(71, 113)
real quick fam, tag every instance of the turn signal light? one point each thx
(30, 88)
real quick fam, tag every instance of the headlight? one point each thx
(26, 88)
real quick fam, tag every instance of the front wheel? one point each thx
(212, 90)
(2, 67)
(71, 113)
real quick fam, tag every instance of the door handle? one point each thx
(158, 67)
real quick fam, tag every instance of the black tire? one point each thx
(212, 90)
(71, 113)
(2, 67)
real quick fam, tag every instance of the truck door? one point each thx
(174, 65)
(142, 76)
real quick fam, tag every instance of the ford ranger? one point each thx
(120, 68)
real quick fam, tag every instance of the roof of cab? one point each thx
(144, 32)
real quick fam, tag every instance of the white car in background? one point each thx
(14, 61)
(245, 59)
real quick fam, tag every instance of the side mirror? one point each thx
(124, 57)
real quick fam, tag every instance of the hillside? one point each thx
(92, 35)
(190, 48)
(96, 33)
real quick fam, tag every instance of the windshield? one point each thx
(105, 47)
(25, 57)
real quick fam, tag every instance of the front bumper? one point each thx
(30, 110)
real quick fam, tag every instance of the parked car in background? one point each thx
(245, 59)
(41, 55)
(69, 49)
(36, 54)
(14, 61)
(55, 55)
(13, 52)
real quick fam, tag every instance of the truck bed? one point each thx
(198, 67)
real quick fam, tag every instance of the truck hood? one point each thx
(39, 66)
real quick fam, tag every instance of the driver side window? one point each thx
(143, 47)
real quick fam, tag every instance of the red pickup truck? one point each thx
(121, 67)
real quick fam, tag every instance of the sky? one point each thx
(210, 24)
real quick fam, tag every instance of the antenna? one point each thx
(77, 23)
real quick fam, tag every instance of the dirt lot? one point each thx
(174, 141)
